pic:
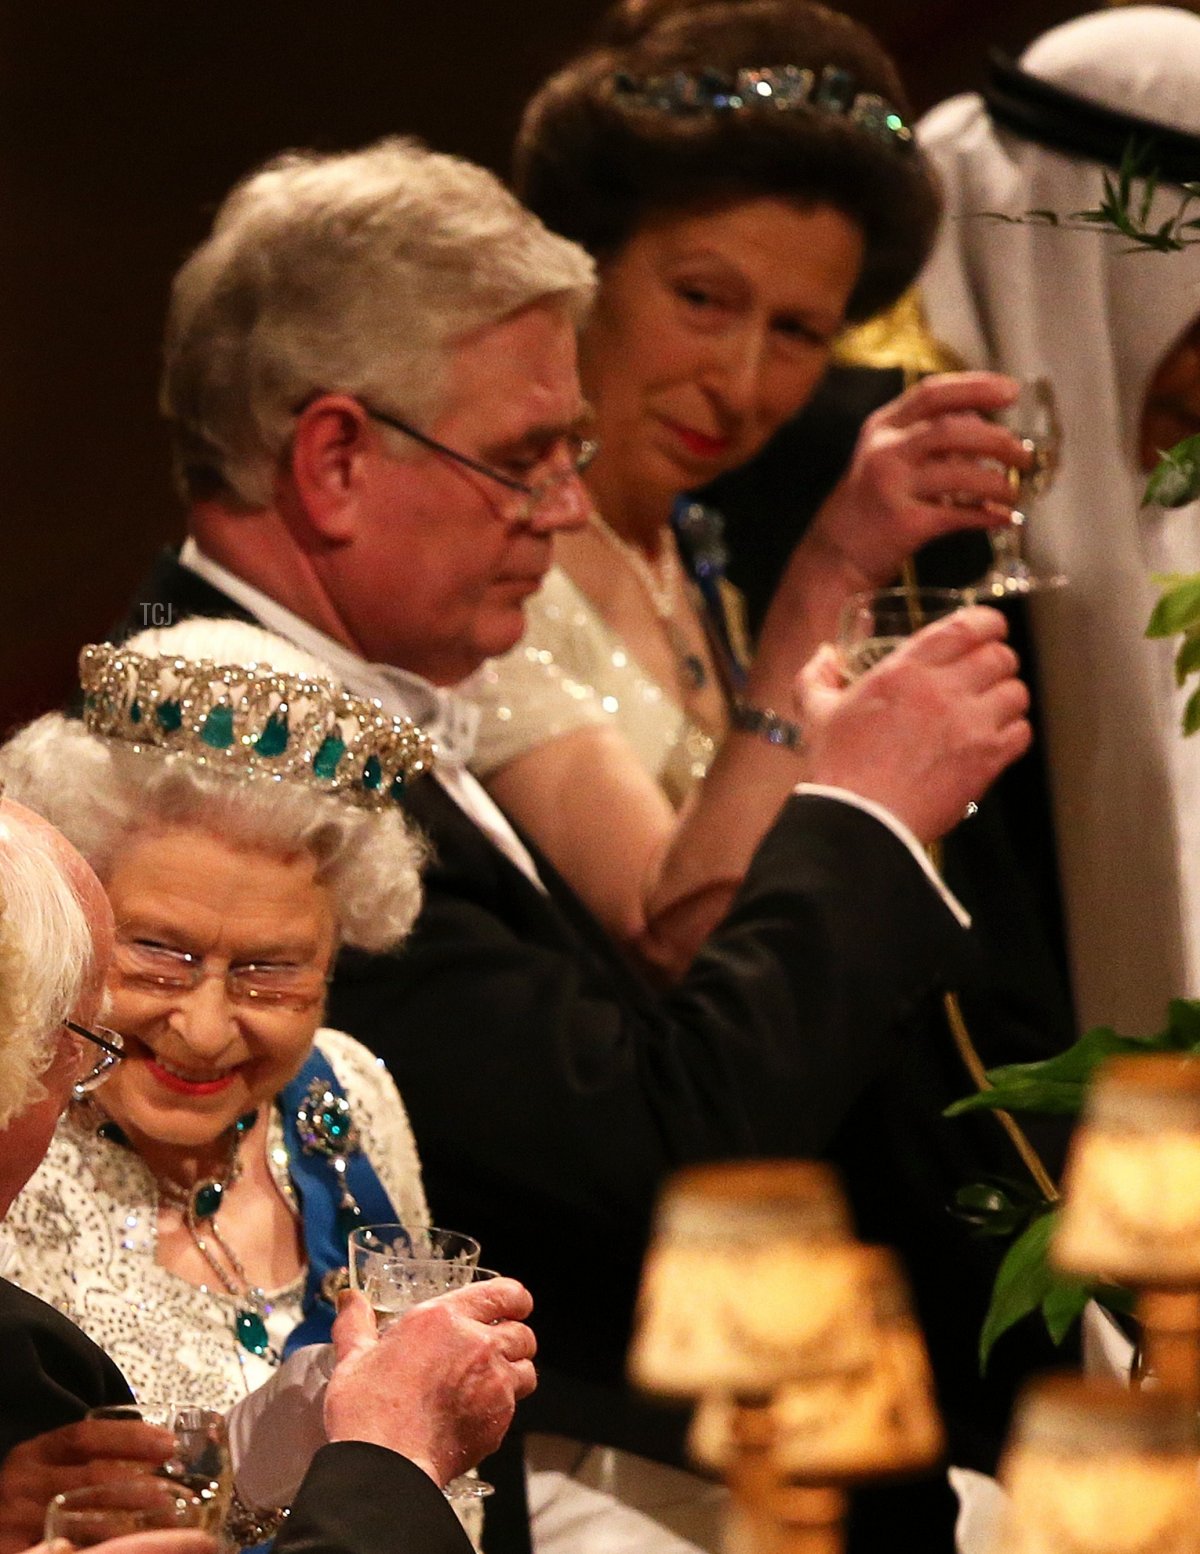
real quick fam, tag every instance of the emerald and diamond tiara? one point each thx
(250, 721)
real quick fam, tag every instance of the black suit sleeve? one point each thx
(51, 1373)
(357, 1498)
(552, 1091)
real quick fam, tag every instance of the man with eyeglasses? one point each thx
(377, 426)
(402, 1413)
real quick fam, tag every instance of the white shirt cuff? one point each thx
(274, 1432)
(902, 833)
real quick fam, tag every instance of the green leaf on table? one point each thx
(1053, 1086)
(1174, 482)
(997, 1206)
(1021, 1286)
(1178, 609)
(1182, 1030)
(1045, 1097)
(1187, 659)
(1063, 1303)
(1191, 714)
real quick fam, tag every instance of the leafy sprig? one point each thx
(1178, 612)
(1125, 204)
(1026, 1282)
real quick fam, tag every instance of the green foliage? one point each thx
(999, 1207)
(1178, 610)
(1124, 206)
(1053, 1087)
(1175, 479)
(1026, 1282)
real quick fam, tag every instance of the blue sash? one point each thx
(319, 1189)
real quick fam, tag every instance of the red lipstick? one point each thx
(700, 444)
(181, 1086)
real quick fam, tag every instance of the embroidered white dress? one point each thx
(84, 1234)
(570, 671)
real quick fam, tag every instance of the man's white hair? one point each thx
(353, 274)
(46, 958)
(100, 793)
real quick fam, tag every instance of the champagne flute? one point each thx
(1033, 417)
(144, 1503)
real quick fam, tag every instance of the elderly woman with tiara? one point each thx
(744, 174)
(243, 815)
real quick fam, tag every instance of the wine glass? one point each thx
(396, 1266)
(144, 1503)
(875, 623)
(1033, 417)
(200, 1463)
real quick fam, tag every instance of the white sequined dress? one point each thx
(570, 671)
(84, 1233)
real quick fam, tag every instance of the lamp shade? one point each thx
(747, 1282)
(1092, 1468)
(835, 1427)
(1131, 1213)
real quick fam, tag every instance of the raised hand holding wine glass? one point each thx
(927, 730)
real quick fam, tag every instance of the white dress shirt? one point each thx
(450, 720)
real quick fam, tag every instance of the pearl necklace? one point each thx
(660, 586)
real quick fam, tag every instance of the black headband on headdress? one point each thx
(1063, 121)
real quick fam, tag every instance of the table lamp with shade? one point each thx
(1131, 1204)
(758, 1304)
(1094, 1468)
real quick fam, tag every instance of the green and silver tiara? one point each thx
(777, 88)
(249, 721)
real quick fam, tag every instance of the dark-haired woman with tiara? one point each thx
(745, 175)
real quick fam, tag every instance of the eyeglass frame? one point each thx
(112, 1050)
(160, 987)
(533, 494)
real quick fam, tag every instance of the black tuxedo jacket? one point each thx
(356, 1498)
(551, 1088)
(51, 1373)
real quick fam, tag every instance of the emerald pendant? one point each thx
(251, 1332)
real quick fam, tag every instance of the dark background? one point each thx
(123, 122)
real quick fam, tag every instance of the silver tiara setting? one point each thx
(779, 88)
(252, 722)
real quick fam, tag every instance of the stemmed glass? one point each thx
(200, 1464)
(1033, 417)
(875, 623)
(396, 1266)
(97, 1512)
